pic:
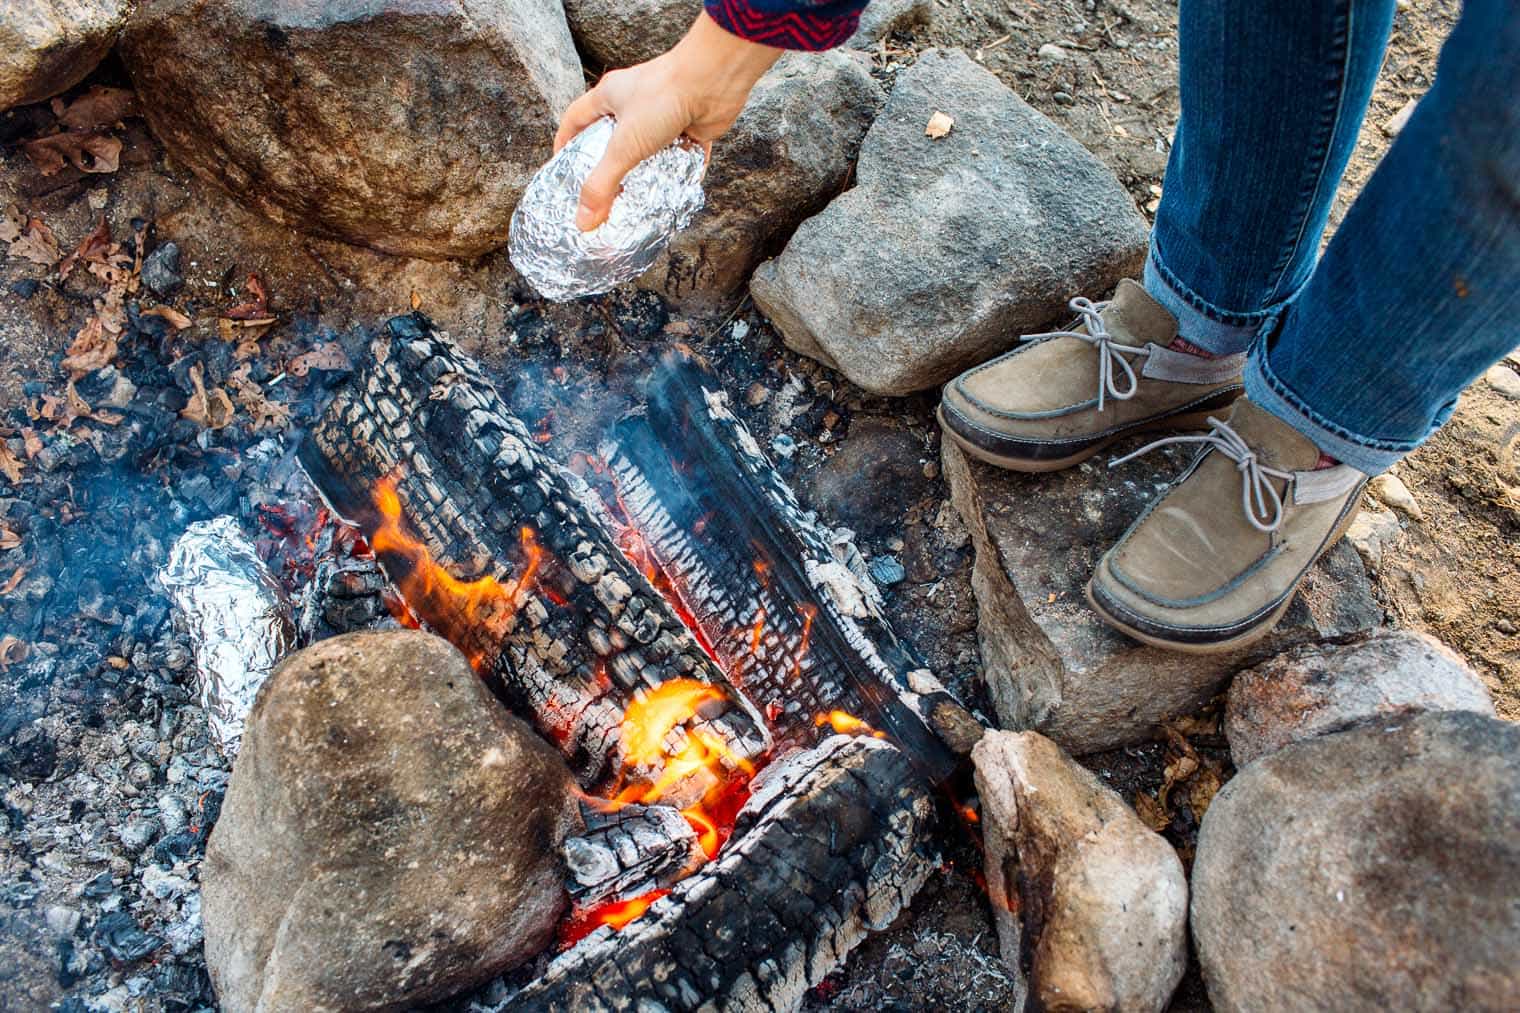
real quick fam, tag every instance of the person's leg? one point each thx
(1272, 99)
(1419, 290)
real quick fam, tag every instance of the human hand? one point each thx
(696, 89)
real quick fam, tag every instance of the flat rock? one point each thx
(390, 835)
(1051, 664)
(787, 155)
(48, 46)
(620, 33)
(1371, 533)
(946, 250)
(1090, 903)
(1320, 688)
(411, 126)
(1373, 869)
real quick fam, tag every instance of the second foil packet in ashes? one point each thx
(660, 196)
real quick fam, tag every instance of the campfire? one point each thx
(746, 728)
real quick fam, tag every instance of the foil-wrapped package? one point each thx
(238, 616)
(660, 196)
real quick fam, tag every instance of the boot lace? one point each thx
(1111, 355)
(1258, 496)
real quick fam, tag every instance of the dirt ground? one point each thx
(1456, 573)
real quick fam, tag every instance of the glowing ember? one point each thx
(647, 725)
(846, 724)
(617, 913)
(458, 609)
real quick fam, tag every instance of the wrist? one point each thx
(718, 60)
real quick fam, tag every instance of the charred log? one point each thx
(630, 852)
(800, 631)
(493, 545)
(831, 845)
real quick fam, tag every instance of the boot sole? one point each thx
(1034, 466)
(1263, 626)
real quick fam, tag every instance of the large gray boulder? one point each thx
(411, 126)
(1094, 898)
(947, 249)
(620, 33)
(789, 152)
(390, 835)
(48, 46)
(1374, 869)
(1321, 688)
(1051, 664)
(883, 17)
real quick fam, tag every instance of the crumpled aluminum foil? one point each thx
(238, 616)
(660, 196)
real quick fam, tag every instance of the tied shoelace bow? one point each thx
(1257, 494)
(1111, 356)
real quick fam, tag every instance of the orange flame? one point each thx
(457, 608)
(616, 913)
(845, 723)
(647, 724)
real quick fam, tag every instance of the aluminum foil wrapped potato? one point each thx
(660, 196)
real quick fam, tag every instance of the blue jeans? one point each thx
(1365, 349)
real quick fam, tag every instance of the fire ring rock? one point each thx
(410, 126)
(390, 835)
(47, 46)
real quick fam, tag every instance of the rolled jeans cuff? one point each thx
(1266, 391)
(1216, 331)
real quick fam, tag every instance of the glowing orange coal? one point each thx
(458, 609)
(647, 726)
(616, 913)
(845, 723)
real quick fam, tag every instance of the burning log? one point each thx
(630, 852)
(799, 631)
(493, 545)
(830, 846)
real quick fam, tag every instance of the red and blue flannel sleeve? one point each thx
(789, 24)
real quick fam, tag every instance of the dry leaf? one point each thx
(256, 306)
(10, 464)
(94, 247)
(1152, 811)
(12, 224)
(93, 347)
(325, 355)
(14, 581)
(8, 539)
(266, 414)
(176, 319)
(940, 124)
(36, 243)
(119, 663)
(1202, 791)
(33, 442)
(211, 408)
(12, 650)
(96, 108)
(87, 151)
(416, 300)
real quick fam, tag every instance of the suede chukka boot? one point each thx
(1061, 397)
(1213, 563)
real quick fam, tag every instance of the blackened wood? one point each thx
(834, 843)
(590, 632)
(628, 852)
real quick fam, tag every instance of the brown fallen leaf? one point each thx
(324, 355)
(96, 108)
(32, 441)
(256, 306)
(119, 663)
(416, 300)
(14, 581)
(87, 151)
(939, 125)
(93, 347)
(265, 413)
(10, 464)
(94, 247)
(176, 319)
(1152, 811)
(12, 224)
(13, 650)
(212, 407)
(34, 241)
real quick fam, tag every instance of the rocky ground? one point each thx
(110, 781)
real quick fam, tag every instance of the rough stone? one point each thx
(872, 479)
(1373, 869)
(48, 46)
(1504, 380)
(1321, 688)
(161, 270)
(390, 835)
(411, 126)
(1051, 664)
(1089, 901)
(620, 33)
(947, 249)
(1371, 533)
(1390, 490)
(789, 152)
(883, 17)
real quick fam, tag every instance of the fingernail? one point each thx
(585, 218)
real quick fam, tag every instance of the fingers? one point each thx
(624, 152)
(583, 112)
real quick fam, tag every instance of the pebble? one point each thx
(784, 447)
(740, 330)
(1506, 627)
(119, 935)
(1390, 490)
(138, 833)
(173, 813)
(886, 571)
(160, 270)
(1051, 51)
(1371, 533)
(1063, 98)
(61, 921)
(1504, 380)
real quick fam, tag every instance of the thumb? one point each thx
(606, 180)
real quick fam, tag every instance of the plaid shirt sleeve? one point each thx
(789, 24)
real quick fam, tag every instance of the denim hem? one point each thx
(1216, 331)
(1266, 391)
